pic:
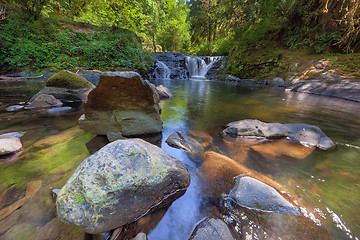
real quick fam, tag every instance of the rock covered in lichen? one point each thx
(118, 184)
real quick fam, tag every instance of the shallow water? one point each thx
(328, 181)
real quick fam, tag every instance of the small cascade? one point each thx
(199, 66)
(161, 70)
(171, 65)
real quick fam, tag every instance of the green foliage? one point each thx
(66, 79)
(48, 44)
(308, 38)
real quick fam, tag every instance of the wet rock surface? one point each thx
(176, 64)
(64, 94)
(118, 184)
(10, 143)
(164, 92)
(307, 135)
(67, 87)
(43, 101)
(345, 89)
(124, 103)
(212, 229)
(252, 193)
(14, 108)
(9, 146)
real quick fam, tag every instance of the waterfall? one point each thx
(171, 65)
(198, 67)
(161, 70)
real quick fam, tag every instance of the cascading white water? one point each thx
(198, 67)
(161, 70)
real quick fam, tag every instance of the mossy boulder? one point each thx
(118, 184)
(67, 79)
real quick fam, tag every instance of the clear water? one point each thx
(328, 181)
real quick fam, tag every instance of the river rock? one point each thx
(58, 110)
(345, 89)
(66, 86)
(118, 184)
(278, 82)
(251, 193)
(44, 101)
(308, 135)
(9, 145)
(12, 135)
(14, 108)
(212, 229)
(191, 141)
(164, 92)
(122, 103)
(256, 128)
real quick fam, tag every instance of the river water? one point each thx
(328, 181)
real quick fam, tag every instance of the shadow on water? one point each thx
(53, 146)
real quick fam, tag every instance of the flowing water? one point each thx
(328, 181)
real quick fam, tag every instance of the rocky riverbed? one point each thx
(142, 181)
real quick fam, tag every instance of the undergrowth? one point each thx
(50, 44)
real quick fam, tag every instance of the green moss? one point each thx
(66, 79)
(80, 198)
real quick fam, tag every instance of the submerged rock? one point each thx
(252, 193)
(124, 104)
(44, 101)
(191, 141)
(118, 184)
(212, 229)
(307, 135)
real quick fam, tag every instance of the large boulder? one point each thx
(251, 193)
(307, 135)
(66, 86)
(122, 103)
(118, 184)
(212, 229)
(44, 101)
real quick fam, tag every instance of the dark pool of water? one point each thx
(328, 181)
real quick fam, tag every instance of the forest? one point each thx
(179, 119)
(120, 34)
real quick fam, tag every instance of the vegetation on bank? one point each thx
(120, 34)
(53, 43)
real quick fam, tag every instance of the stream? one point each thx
(54, 145)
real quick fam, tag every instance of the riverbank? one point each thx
(330, 75)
